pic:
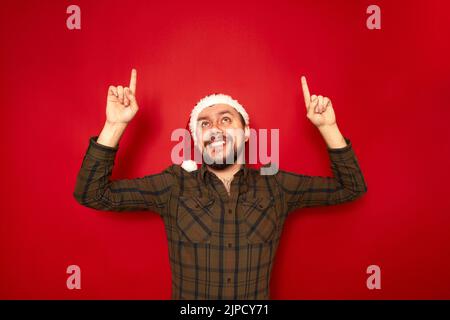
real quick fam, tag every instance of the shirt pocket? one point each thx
(260, 219)
(194, 219)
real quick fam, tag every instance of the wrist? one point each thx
(115, 125)
(332, 136)
(111, 134)
(326, 128)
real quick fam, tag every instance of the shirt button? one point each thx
(230, 211)
(229, 280)
(229, 244)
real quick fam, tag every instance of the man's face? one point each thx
(220, 133)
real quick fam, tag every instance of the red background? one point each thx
(389, 87)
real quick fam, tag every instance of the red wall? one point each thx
(390, 90)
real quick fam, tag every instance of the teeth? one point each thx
(217, 143)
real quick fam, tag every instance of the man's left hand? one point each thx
(319, 108)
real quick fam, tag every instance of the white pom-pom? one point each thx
(189, 165)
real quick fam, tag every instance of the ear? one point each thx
(247, 133)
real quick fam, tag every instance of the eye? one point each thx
(226, 120)
(204, 124)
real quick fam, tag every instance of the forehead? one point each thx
(217, 110)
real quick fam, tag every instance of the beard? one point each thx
(225, 163)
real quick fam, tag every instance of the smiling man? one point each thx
(220, 132)
(223, 220)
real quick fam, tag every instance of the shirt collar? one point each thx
(204, 169)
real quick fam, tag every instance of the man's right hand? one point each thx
(121, 105)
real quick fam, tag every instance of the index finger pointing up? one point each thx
(133, 81)
(306, 94)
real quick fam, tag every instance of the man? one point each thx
(224, 220)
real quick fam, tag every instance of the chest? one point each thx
(253, 217)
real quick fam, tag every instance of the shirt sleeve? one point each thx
(95, 189)
(346, 184)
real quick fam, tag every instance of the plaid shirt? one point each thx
(220, 246)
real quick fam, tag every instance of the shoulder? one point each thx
(267, 171)
(178, 170)
(180, 175)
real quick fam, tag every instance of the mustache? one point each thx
(217, 137)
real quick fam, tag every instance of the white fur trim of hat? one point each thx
(212, 99)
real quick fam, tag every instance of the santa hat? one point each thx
(207, 101)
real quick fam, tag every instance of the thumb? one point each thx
(312, 106)
(132, 98)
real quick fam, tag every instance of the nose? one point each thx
(214, 131)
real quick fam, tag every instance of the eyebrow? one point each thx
(219, 113)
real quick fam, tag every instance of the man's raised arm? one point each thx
(93, 188)
(347, 182)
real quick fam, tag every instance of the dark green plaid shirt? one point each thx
(220, 246)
